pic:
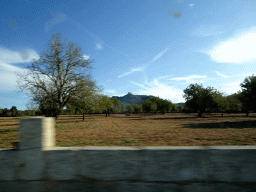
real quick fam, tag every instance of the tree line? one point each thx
(61, 78)
(201, 100)
(99, 105)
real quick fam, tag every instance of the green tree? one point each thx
(86, 104)
(157, 101)
(14, 111)
(199, 98)
(162, 105)
(174, 107)
(234, 104)
(148, 106)
(4, 112)
(137, 108)
(21, 113)
(130, 108)
(71, 108)
(180, 107)
(221, 102)
(165, 106)
(65, 69)
(123, 107)
(117, 105)
(248, 94)
(105, 104)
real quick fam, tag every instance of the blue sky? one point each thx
(146, 47)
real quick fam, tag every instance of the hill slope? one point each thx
(132, 99)
(137, 99)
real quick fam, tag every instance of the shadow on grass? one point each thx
(8, 130)
(84, 143)
(164, 118)
(237, 125)
(7, 125)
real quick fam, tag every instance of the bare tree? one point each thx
(66, 69)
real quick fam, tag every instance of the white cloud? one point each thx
(231, 88)
(218, 73)
(86, 57)
(233, 84)
(235, 50)
(191, 6)
(8, 80)
(194, 81)
(58, 17)
(159, 55)
(118, 94)
(162, 90)
(110, 91)
(207, 30)
(132, 71)
(164, 77)
(192, 77)
(21, 56)
(140, 85)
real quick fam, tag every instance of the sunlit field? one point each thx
(170, 129)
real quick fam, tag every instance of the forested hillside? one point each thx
(133, 99)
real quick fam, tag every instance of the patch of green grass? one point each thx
(131, 141)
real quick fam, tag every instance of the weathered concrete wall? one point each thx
(40, 166)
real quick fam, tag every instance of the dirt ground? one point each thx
(170, 129)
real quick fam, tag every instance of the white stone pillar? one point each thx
(37, 135)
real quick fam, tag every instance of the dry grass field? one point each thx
(171, 129)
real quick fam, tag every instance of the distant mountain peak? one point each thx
(132, 99)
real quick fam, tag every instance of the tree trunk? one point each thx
(83, 116)
(222, 114)
(56, 116)
(200, 113)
